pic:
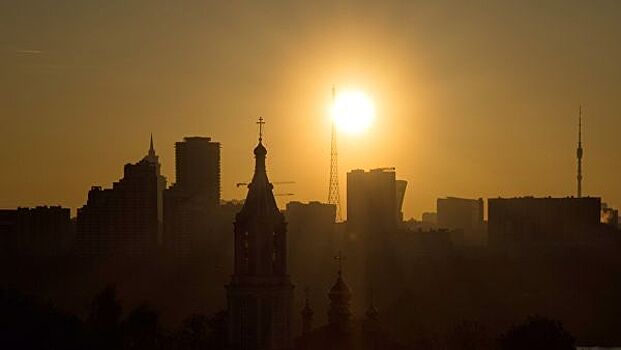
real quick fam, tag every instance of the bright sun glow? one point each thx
(353, 111)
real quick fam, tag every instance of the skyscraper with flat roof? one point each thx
(197, 161)
(191, 202)
(374, 200)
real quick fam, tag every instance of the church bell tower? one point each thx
(260, 294)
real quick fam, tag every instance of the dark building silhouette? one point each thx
(431, 243)
(197, 168)
(39, 231)
(311, 236)
(122, 219)
(374, 200)
(373, 218)
(260, 294)
(548, 221)
(462, 214)
(191, 203)
(154, 159)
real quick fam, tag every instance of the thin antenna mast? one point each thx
(333, 193)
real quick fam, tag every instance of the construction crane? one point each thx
(240, 184)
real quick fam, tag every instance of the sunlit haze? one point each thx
(472, 99)
(353, 111)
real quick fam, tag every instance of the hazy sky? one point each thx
(474, 98)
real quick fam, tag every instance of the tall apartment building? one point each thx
(191, 203)
(122, 219)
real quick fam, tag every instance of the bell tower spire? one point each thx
(260, 294)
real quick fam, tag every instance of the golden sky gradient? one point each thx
(473, 98)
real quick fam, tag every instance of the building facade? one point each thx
(547, 221)
(197, 168)
(465, 215)
(121, 219)
(39, 231)
(374, 200)
(191, 203)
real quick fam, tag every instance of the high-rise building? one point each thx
(311, 236)
(260, 294)
(197, 161)
(154, 159)
(374, 200)
(36, 231)
(545, 221)
(314, 220)
(191, 203)
(122, 219)
(373, 221)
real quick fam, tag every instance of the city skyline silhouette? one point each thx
(332, 175)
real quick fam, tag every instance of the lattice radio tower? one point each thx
(334, 193)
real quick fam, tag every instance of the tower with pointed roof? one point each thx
(339, 313)
(154, 159)
(260, 294)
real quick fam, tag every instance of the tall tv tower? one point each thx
(579, 152)
(333, 193)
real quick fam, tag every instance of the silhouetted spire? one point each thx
(260, 199)
(339, 314)
(260, 294)
(151, 156)
(260, 210)
(579, 152)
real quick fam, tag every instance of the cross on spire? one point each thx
(261, 122)
(340, 258)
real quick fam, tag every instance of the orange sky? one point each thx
(473, 99)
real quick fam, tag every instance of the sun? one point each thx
(353, 111)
